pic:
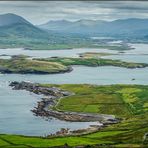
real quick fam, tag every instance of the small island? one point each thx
(22, 65)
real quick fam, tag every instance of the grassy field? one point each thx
(120, 100)
(128, 102)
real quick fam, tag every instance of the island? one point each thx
(22, 65)
(93, 62)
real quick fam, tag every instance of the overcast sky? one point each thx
(38, 12)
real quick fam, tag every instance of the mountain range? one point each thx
(15, 26)
(125, 27)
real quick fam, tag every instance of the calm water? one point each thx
(51, 53)
(88, 75)
(139, 54)
(135, 55)
(15, 106)
(129, 58)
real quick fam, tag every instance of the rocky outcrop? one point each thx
(38, 89)
(52, 96)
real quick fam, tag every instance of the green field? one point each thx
(128, 102)
(120, 100)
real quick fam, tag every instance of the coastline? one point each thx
(45, 107)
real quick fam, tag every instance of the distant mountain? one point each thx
(10, 19)
(54, 25)
(125, 27)
(69, 26)
(12, 25)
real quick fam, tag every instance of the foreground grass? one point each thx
(46, 142)
(128, 102)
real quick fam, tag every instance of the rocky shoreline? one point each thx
(50, 99)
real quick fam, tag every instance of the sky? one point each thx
(39, 12)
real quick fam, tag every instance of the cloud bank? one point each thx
(39, 12)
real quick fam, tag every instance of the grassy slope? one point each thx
(22, 65)
(126, 101)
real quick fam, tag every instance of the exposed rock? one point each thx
(37, 89)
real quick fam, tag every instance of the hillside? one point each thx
(12, 25)
(15, 31)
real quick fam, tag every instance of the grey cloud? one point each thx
(39, 12)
